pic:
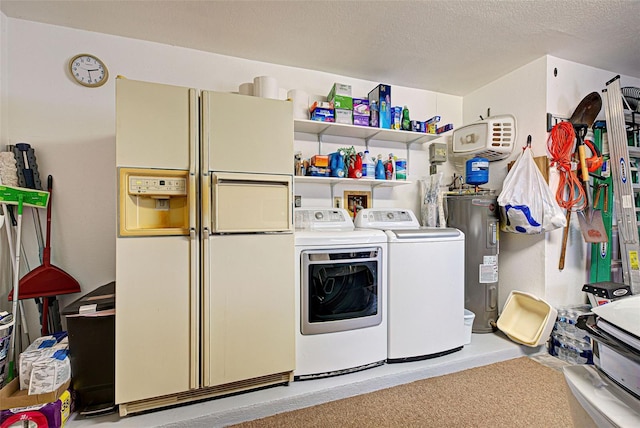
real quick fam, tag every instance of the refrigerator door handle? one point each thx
(205, 303)
(194, 340)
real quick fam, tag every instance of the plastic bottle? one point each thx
(365, 163)
(406, 122)
(390, 168)
(358, 166)
(380, 175)
(371, 165)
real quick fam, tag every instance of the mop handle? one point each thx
(16, 285)
(46, 253)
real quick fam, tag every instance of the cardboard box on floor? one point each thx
(11, 396)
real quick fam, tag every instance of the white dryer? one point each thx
(341, 286)
(425, 285)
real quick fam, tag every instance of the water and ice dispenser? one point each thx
(153, 202)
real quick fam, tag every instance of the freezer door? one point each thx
(248, 307)
(154, 125)
(247, 203)
(246, 134)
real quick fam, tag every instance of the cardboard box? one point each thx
(360, 120)
(49, 415)
(320, 160)
(381, 96)
(361, 112)
(340, 97)
(344, 116)
(323, 115)
(339, 89)
(341, 102)
(11, 396)
(361, 107)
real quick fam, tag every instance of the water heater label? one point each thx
(488, 271)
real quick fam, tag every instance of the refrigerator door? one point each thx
(246, 134)
(248, 307)
(251, 203)
(157, 277)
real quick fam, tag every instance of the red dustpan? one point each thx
(46, 280)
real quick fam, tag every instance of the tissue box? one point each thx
(381, 95)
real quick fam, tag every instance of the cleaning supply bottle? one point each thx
(371, 165)
(358, 166)
(389, 167)
(406, 122)
(365, 159)
(380, 175)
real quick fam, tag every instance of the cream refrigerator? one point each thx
(205, 249)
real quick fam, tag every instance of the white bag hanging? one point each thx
(527, 205)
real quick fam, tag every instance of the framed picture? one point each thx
(354, 201)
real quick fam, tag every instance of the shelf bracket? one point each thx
(320, 135)
(369, 138)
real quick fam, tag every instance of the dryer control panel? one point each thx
(385, 218)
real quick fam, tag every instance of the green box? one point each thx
(342, 102)
(340, 96)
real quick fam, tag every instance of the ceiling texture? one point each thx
(453, 46)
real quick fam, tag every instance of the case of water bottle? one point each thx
(568, 342)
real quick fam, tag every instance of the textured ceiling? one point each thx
(453, 46)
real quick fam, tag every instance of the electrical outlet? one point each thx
(337, 202)
(297, 201)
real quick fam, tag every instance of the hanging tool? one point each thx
(583, 117)
(591, 223)
(623, 198)
(20, 197)
(570, 193)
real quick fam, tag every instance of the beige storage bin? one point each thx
(527, 319)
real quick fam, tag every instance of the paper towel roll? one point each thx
(266, 87)
(246, 89)
(300, 100)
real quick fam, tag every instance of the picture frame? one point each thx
(355, 200)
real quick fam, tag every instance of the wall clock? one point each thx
(88, 70)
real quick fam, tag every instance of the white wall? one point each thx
(530, 263)
(522, 94)
(564, 91)
(72, 129)
(5, 262)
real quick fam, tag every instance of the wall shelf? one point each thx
(364, 132)
(358, 181)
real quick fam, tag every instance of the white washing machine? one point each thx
(341, 286)
(425, 285)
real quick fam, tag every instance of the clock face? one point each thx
(88, 70)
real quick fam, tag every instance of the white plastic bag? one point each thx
(527, 205)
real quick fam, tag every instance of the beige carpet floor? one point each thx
(514, 393)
